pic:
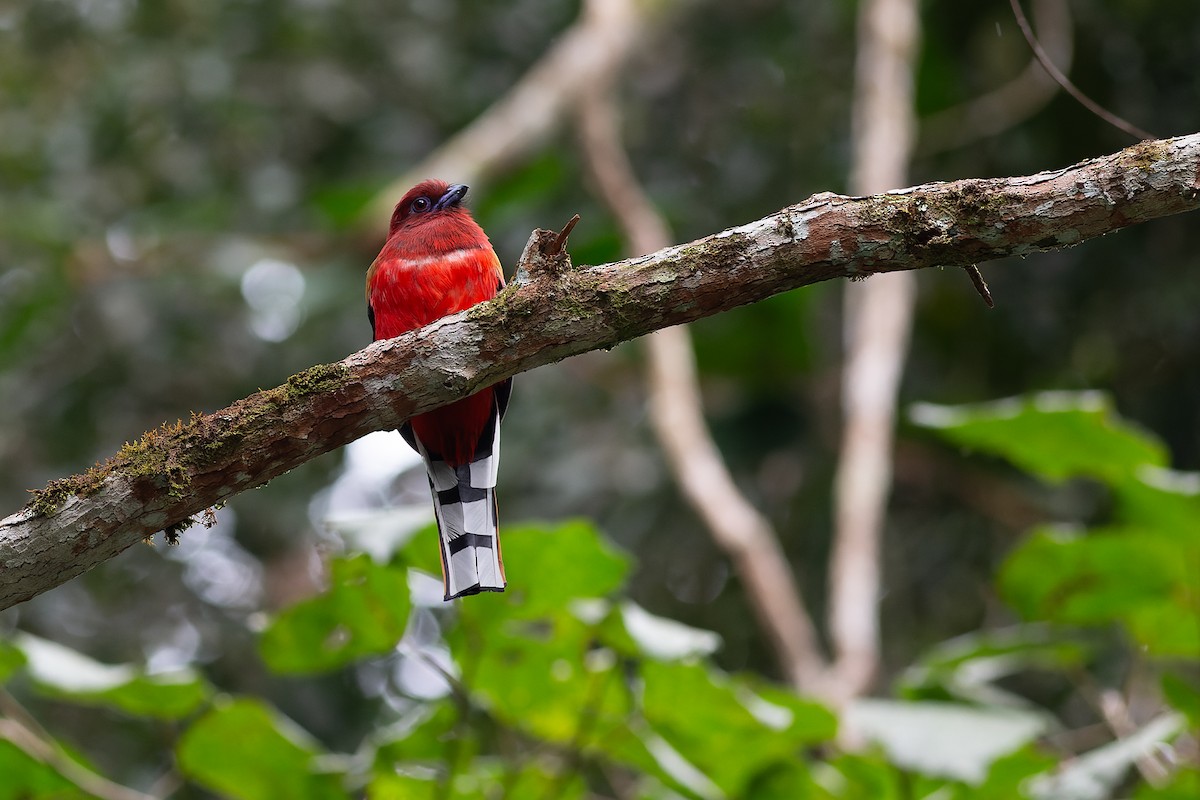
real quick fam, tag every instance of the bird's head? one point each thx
(427, 202)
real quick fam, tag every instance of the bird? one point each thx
(438, 261)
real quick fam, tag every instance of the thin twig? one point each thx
(597, 44)
(1013, 102)
(166, 784)
(11, 707)
(678, 420)
(1113, 709)
(561, 241)
(20, 728)
(980, 285)
(1116, 714)
(461, 695)
(1065, 82)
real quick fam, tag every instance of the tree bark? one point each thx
(553, 311)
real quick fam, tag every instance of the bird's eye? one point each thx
(421, 204)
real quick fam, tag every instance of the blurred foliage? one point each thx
(1140, 568)
(560, 687)
(363, 613)
(267, 762)
(181, 196)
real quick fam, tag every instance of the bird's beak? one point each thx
(452, 197)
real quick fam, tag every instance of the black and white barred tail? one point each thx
(464, 501)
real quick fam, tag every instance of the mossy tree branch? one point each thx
(553, 311)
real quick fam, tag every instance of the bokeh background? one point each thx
(185, 218)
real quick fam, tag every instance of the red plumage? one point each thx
(437, 261)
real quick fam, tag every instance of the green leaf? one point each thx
(527, 652)
(530, 655)
(540, 677)
(1119, 575)
(550, 567)
(62, 672)
(1061, 575)
(665, 639)
(481, 778)
(531, 780)
(426, 736)
(859, 777)
(1056, 435)
(363, 613)
(1183, 785)
(1184, 696)
(1008, 775)
(724, 727)
(1164, 501)
(420, 550)
(949, 740)
(248, 751)
(161, 696)
(25, 778)
(1006, 779)
(786, 780)
(635, 632)
(11, 659)
(395, 786)
(1167, 628)
(811, 723)
(967, 667)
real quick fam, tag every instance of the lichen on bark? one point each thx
(553, 311)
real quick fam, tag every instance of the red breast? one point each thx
(436, 261)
